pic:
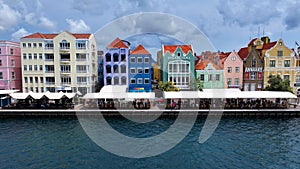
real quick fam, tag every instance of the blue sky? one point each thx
(228, 24)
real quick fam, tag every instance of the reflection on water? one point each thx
(236, 143)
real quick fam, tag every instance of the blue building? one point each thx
(115, 63)
(140, 72)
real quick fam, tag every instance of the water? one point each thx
(236, 143)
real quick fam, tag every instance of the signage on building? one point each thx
(253, 69)
(138, 88)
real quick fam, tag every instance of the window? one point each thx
(29, 56)
(253, 75)
(140, 60)
(41, 67)
(31, 89)
(49, 68)
(41, 80)
(116, 68)
(210, 77)
(147, 70)
(229, 69)
(13, 63)
(13, 75)
(146, 59)
(50, 80)
(1, 75)
(48, 44)
(30, 67)
(64, 45)
(50, 89)
(132, 59)
(217, 77)
(31, 79)
(139, 70)
(35, 56)
(24, 45)
(108, 69)
(40, 45)
(228, 81)
(25, 80)
(81, 44)
(272, 63)
(286, 77)
(298, 78)
(132, 81)
(287, 63)
(40, 56)
(108, 57)
(236, 81)
(178, 54)
(233, 58)
(140, 81)
(179, 72)
(116, 57)
(123, 68)
(116, 80)
(25, 67)
(11, 51)
(123, 80)
(201, 77)
(280, 53)
(123, 57)
(237, 69)
(65, 57)
(0, 50)
(0, 62)
(29, 45)
(34, 45)
(65, 80)
(36, 89)
(65, 68)
(83, 68)
(253, 62)
(146, 81)
(42, 89)
(36, 79)
(132, 70)
(24, 56)
(81, 57)
(81, 80)
(35, 67)
(49, 57)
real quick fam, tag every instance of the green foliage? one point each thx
(196, 84)
(167, 86)
(276, 83)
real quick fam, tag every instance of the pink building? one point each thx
(10, 66)
(233, 71)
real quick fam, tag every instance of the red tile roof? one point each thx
(140, 50)
(243, 53)
(172, 48)
(51, 36)
(117, 43)
(252, 42)
(224, 55)
(269, 45)
(203, 64)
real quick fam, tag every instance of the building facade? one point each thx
(115, 63)
(280, 60)
(178, 64)
(100, 70)
(140, 72)
(10, 66)
(59, 62)
(233, 71)
(210, 74)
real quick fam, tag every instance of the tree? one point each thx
(167, 86)
(276, 83)
(196, 84)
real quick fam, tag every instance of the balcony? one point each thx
(65, 72)
(65, 60)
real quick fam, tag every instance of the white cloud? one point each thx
(18, 34)
(42, 22)
(9, 17)
(78, 26)
(46, 23)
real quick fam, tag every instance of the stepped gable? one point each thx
(140, 50)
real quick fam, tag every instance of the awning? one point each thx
(183, 95)
(54, 96)
(70, 95)
(19, 95)
(141, 95)
(266, 94)
(8, 91)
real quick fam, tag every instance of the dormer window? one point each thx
(258, 43)
(280, 43)
(178, 54)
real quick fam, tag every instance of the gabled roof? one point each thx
(203, 64)
(252, 42)
(269, 45)
(172, 48)
(117, 43)
(51, 36)
(243, 53)
(224, 55)
(140, 50)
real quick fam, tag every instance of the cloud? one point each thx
(292, 19)
(18, 34)
(248, 12)
(78, 26)
(39, 21)
(91, 6)
(46, 23)
(9, 17)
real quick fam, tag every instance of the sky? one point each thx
(229, 25)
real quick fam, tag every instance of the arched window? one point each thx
(116, 69)
(108, 80)
(116, 57)
(123, 80)
(116, 80)
(123, 68)
(108, 69)
(64, 44)
(108, 57)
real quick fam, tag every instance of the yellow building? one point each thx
(282, 61)
(59, 62)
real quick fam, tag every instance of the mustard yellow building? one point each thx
(282, 61)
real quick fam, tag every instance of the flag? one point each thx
(296, 43)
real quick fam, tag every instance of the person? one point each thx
(173, 104)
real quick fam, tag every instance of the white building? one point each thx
(59, 62)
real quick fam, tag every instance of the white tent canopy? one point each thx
(8, 91)
(19, 95)
(40, 95)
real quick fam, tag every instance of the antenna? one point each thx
(263, 31)
(258, 33)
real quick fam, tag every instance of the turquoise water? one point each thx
(236, 143)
